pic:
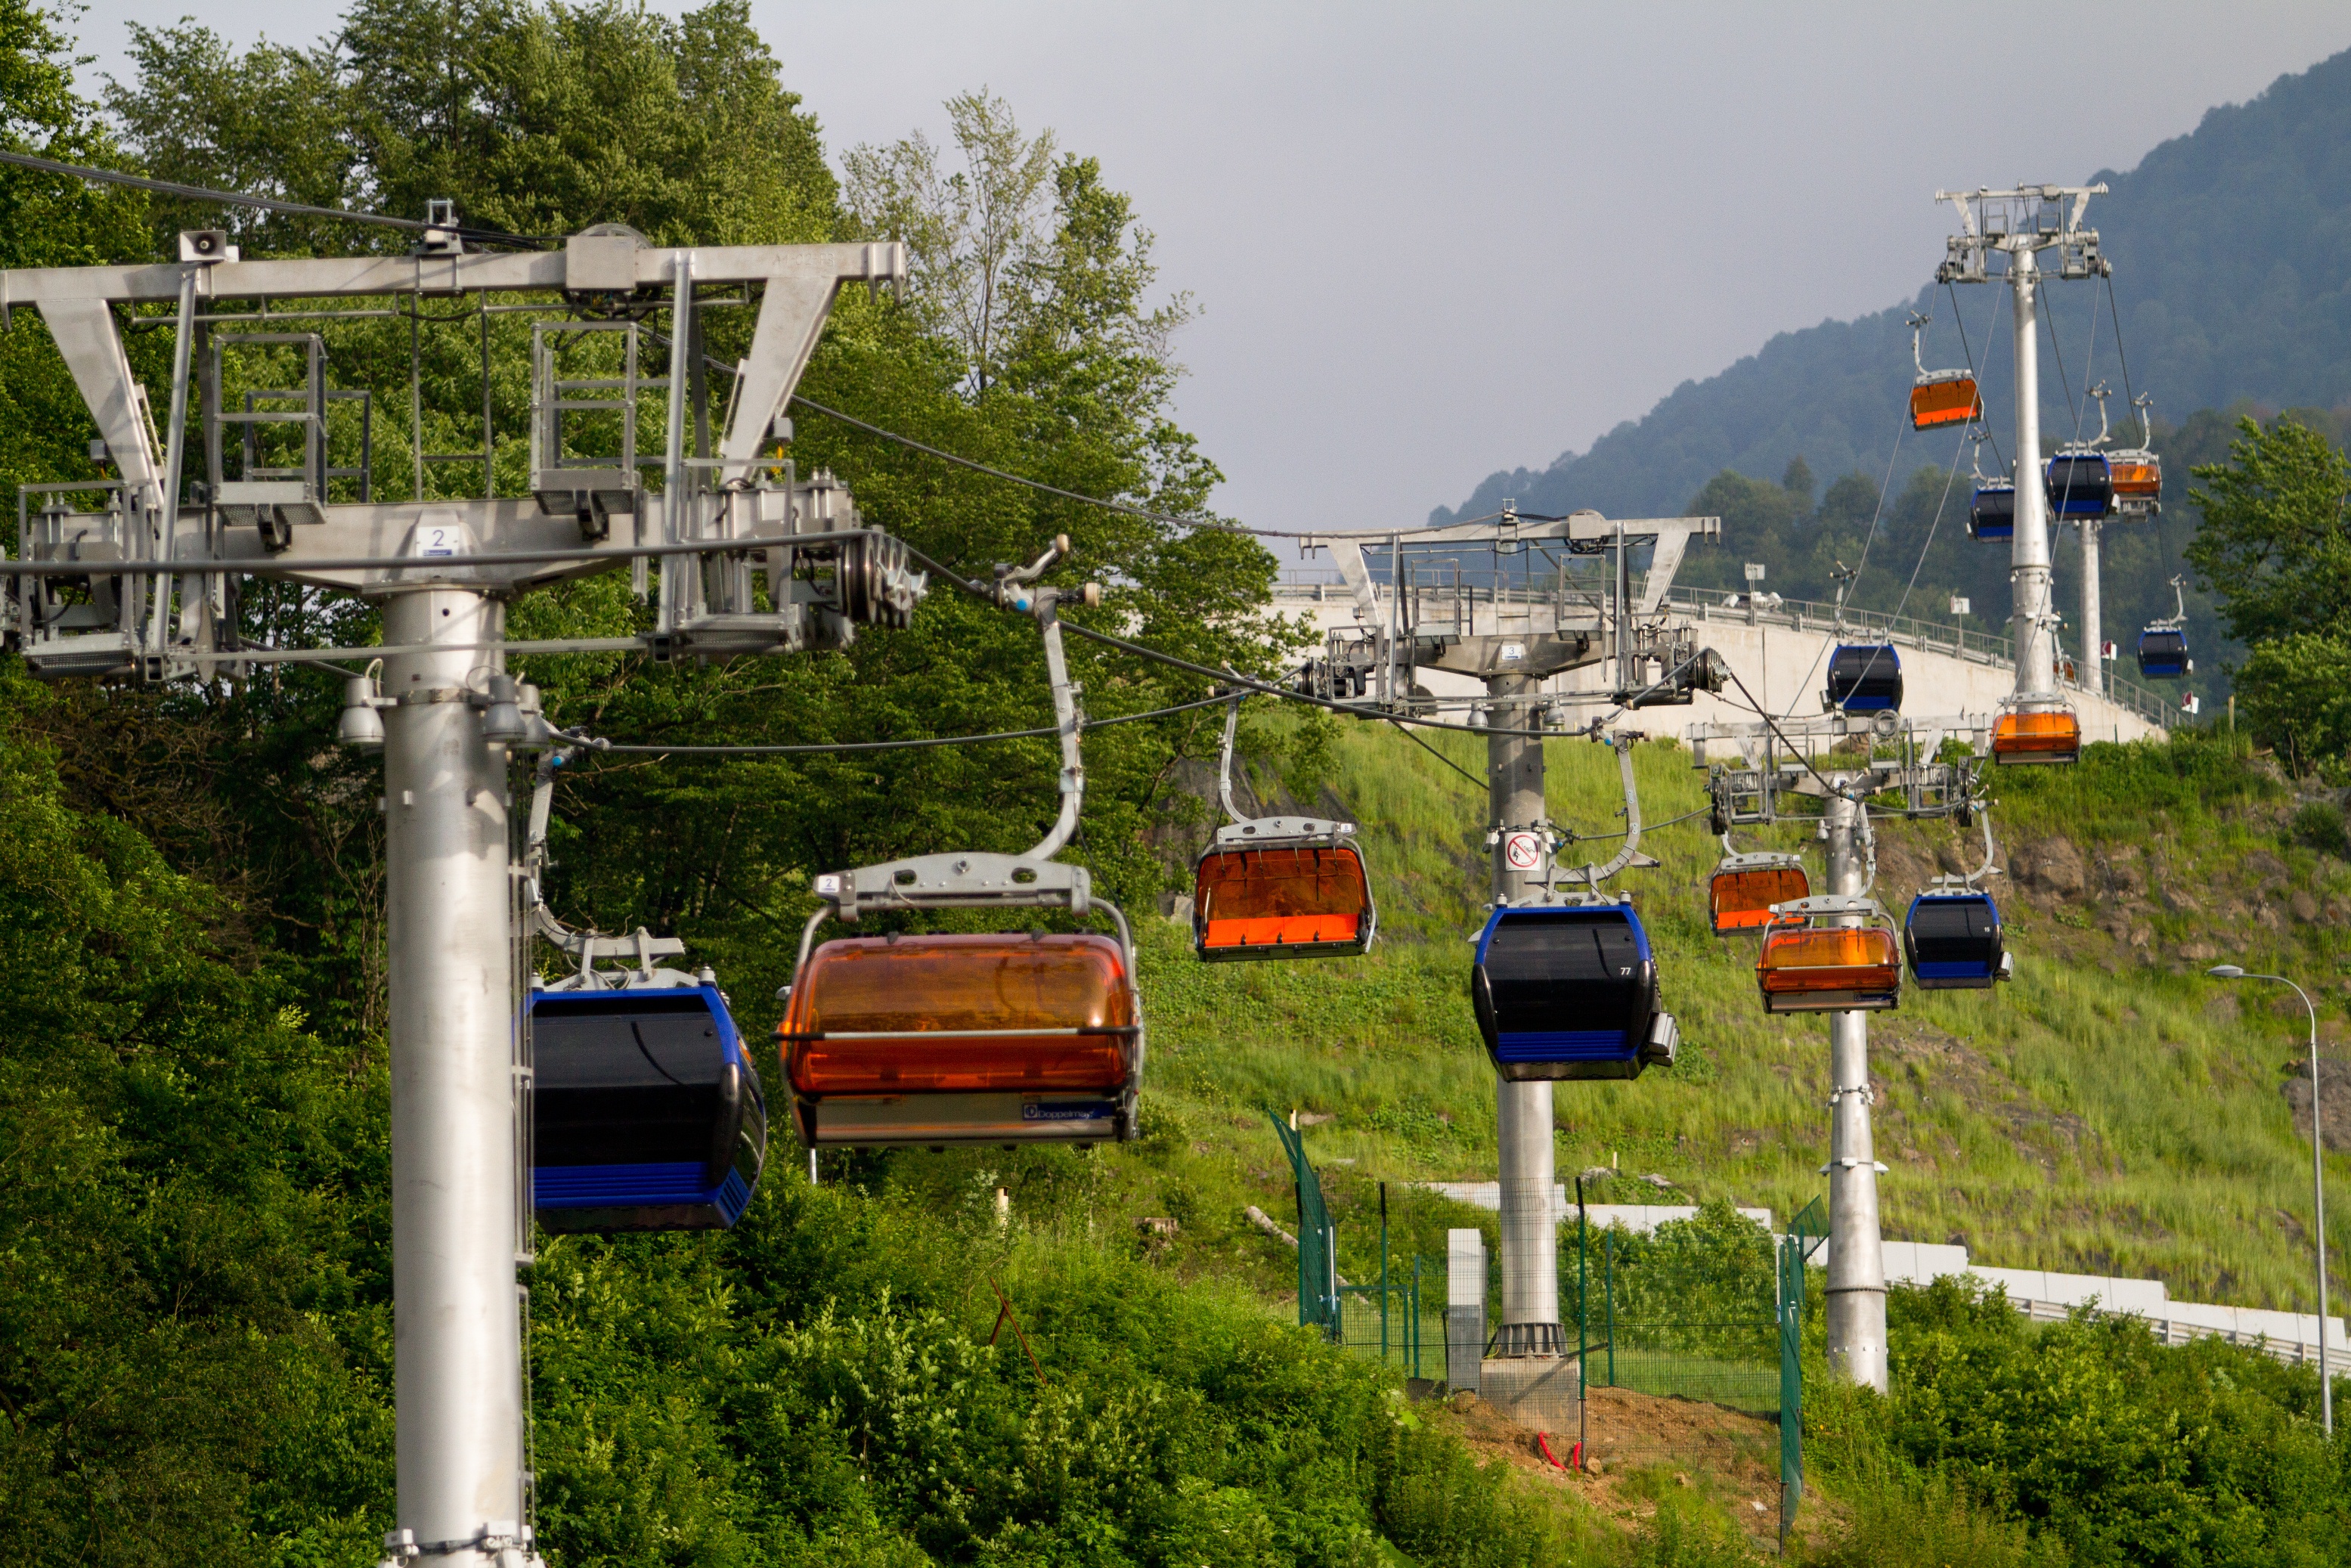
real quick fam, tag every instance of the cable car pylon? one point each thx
(1003, 1038)
(2037, 723)
(1836, 951)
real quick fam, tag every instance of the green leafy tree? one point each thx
(2296, 692)
(2273, 545)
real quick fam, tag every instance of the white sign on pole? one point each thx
(1754, 572)
(1959, 605)
(2107, 651)
(1522, 851)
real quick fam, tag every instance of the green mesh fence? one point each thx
(1317, 1239)
(1691, 1337)
(1690, 1310)
(1806, 1234)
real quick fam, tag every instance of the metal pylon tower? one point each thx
(2021, 224)
(1551, 594)
(144, 588)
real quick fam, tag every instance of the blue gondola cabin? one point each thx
(1864, 677)
(1954, 941)
(646, 1112)
(1568, 993)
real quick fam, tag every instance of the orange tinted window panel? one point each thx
(1855, 959)
(1275, 883)
(1945, 403)
(2014, 733)
(1742, 900)
(2134, 477)
(907, 1065)
(1286, 930)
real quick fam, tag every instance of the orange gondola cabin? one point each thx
(1830, 968)
(1259, 893)
(934, 1039)
(2036, 735)
(1745, 887)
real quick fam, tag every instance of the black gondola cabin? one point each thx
(646, 1114)
(1993, 516)
(1865, 677)
(2080, 485)
(1569, 993)
(1953, 940)
(2163, 654)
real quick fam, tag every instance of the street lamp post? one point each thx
(2317, 1182)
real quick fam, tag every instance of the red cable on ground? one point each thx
(1575, 1451)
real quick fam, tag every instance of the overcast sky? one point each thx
(1430, 242)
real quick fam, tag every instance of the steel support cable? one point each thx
(1949, 479)
(1480, 783)
(1144, 651)
(2114, 313)
(1991, 341)
(1122, 507)
(908, 744)
(1892, 458)
(269, 203)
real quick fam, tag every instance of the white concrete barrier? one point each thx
(1781, 656)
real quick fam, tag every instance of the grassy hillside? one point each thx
(2110, 1110)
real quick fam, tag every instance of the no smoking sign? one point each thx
(1522, 851)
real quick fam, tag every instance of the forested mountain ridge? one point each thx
(2232, 248)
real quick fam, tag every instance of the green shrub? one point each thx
(2321, 826)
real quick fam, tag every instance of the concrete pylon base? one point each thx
(1539, 1393)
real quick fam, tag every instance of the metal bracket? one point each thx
(957, 882)
(1831, 904)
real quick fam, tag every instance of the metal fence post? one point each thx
(1608, 1284)
(1384, 1274)
(1416, 1315)
(1582, 1233)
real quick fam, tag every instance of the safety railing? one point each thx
(1705, 606)
(2172, 1330)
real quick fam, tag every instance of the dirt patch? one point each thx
(1639, 1441)
(2051, 865)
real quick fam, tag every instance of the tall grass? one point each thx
(2075, 1119)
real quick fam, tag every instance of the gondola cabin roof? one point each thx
(1993, 515)
(647, 1114)
(2036, 735)
(1565, 991)
(1828, 969)
(1277, 900)
(2080, 485)
(1944, 399)
(1953, 941)
(950, 1038)
(1740, 898)
(1865, 677)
